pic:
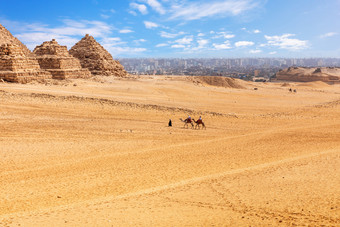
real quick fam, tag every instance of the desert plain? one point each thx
(99, 152)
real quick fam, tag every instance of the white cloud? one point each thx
(229, 36)
(273, 52)
(255, 31)
(139, 41)
(185, 40)
(112, 41)
(285, 42)
(195, 11)
(200, 34)
(70, 32)
(67, 34)
(224, 46)
(150, 25)
(32, 39)
(170, 35)
(178, 46)
(244, 43)
(162, 45)
(105, 16)
(225, 35)
(329, 34)
(71, 27)
(107, 13)
(116, 50)
(132, 12)
(117, 47)
(154, 4)
(202, 43)
(255, 51)
(140, 7)
(124, 31)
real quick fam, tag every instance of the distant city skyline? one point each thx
(183, 28)
(220, 66)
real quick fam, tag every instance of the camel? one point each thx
(198, 123)
(187, 121)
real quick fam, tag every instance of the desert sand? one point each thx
(99, 153)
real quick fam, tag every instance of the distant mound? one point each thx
(315, 84)
(219, 81)
(301, 74)
(285, 85)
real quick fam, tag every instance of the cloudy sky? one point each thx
(182, 28)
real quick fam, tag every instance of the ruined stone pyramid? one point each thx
(57, 60)
(7, 38)
(95, 58)
(17, 63)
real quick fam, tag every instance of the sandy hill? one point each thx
(219, 81)
(301, 74)
(94, 57)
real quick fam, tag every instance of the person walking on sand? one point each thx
(170, 123)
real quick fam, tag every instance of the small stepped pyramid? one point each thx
(95, 58)
(17, 63)
(56, 59)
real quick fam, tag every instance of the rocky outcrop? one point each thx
(95, 58)
(301, 74)
(56, 59)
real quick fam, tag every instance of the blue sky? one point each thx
(182, 28)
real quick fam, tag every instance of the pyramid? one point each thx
(57, 60)
(17, 63)
(95, 58)
(7, 38)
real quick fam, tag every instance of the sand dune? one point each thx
(101, 154)
(219, 81)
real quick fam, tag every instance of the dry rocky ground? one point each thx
(99, 153)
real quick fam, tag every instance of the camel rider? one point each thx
(189, 118)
